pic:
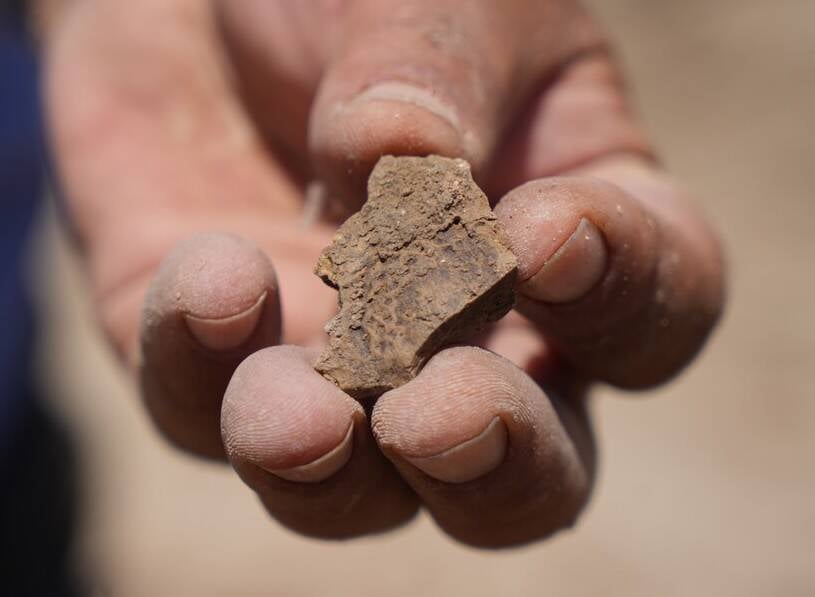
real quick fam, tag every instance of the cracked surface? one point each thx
(423, 264)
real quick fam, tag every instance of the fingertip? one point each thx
(621, 289)
(488, 452)
(390, 118)
(211, 303)
(305, 447)
(540, 216)
(579, 238)
(281, 416)
(448, 421)
(221, 285)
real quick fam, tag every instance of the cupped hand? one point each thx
(206, 151)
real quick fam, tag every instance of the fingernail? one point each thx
(574, 269)
(398, 91)
(422, 117)
(324, 466)
(470, 460)
(228, 332)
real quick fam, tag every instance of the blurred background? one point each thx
(706, 487)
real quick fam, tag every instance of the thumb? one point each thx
(418, 77)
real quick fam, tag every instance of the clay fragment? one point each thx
(423, 264)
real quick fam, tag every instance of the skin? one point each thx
(185, 135)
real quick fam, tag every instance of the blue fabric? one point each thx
(22, 156)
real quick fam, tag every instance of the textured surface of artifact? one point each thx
(423, 264)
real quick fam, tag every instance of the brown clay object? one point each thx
(423, 264)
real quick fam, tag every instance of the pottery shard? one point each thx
(421, 265)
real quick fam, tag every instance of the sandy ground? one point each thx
(707, 486)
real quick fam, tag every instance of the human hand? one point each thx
(185, 134)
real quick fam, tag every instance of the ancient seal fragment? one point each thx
(421, 265)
